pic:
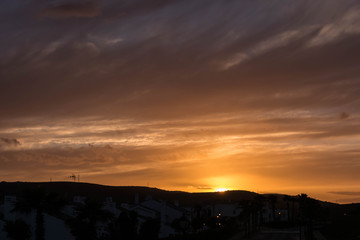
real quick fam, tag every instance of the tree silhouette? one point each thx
(198, 219)
(150, 230)
(309, 209)
(38, 200)
(17, 230)
(84, 226)
(259, 204)
(181, 225)
(125, 227)
(273, 200)
(287, 199)
(249, 216)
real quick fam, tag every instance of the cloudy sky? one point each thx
(183, 95)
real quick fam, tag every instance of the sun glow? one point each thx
(221, 189)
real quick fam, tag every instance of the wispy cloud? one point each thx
(347, 193)
(338, 29)
(8, 143)
(73, 9)
(272, 43)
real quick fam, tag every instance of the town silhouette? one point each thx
(74, 210)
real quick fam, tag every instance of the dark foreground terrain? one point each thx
(91, 211)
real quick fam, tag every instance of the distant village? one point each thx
(39, 214)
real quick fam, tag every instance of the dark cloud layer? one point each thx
(174, 61)
(73, 9)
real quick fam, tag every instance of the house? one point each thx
(281, 215)
(226, 210)
(70, 210)
(168, 213)
(268, 214)
(145, 212)
(110, 206)
(155, 209)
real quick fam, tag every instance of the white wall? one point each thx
(56, 229)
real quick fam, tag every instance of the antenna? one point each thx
(73, 177)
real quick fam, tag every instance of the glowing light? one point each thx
(221, 189)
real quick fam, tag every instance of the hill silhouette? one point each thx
(124, 193)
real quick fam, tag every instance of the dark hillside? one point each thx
(123, 193)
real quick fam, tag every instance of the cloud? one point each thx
(274, 42)
(9, 142)
(343, 116)
(202, 187)
(338, 29)
(348, 200)
(149, 71)
(346, 193)
(81, 9)
(101, 163)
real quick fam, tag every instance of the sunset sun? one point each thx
(221, 189)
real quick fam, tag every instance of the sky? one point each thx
(183, 95)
